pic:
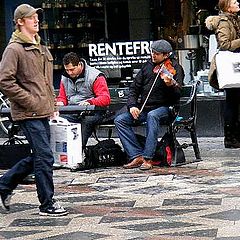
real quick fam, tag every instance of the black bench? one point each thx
(186, 122)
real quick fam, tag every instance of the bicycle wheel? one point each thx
(4, 120)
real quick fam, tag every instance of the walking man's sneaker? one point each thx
(55, 211)
(5, 200)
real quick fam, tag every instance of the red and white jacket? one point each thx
(90, 86)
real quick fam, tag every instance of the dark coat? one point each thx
(162, 95)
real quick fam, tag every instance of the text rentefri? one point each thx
(120, 48)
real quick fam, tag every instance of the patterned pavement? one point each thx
(195, 201)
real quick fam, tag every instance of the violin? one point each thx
(166, 68)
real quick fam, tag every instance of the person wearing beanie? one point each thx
(152, 109)
(27, 80)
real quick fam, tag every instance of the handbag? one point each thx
(12, 151)
(228, 69)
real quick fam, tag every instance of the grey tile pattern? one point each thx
(78, 236)
(197, 201)
(40, 222)
(231, 215)
(157, 225)
(15, 234)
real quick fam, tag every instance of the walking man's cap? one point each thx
(25, 10)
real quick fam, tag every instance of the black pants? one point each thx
(88, 124)
(232, 104)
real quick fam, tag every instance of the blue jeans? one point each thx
(88, 124)
(40, 162)
(154, 119)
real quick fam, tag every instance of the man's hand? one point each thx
(135, 112)
(167, 80)
(55, 115)
(84, 103)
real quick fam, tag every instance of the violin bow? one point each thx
(158, 73)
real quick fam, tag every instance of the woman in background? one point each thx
(227, 30)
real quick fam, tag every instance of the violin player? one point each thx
(157, 85)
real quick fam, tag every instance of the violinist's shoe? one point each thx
(147, 165)
(135, 163)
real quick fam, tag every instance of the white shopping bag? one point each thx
(66, 142)
(228, 69)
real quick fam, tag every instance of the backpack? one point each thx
(105, 153)
(164, 153)
(165, 150)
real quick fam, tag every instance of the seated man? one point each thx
(83, 85)
(156, 112)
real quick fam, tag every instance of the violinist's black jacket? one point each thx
(161, 95)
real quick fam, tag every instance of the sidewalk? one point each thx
(195, 201)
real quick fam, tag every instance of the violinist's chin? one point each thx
(154, 60)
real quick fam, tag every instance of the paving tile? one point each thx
(192, 201)
(90, 211)
(19, 207)
(154, 190)
(107, 219)
(40, 222)
(78, 236)
(157, 226)
(103, 188)
(231, 215)
(122, 179)
(15, 234)
(88, 198)
(118, 204)
(176, 212)
(197, 233)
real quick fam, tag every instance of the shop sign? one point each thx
(119, 54)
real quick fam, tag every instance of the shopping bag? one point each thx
(228, 69)
(12, 151)
(66, 143)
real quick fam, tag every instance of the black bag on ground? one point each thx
(165, 150)
(164, 153)
(12, 151)
(105, 153)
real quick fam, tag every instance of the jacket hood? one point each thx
(212, 22)
(19, 37)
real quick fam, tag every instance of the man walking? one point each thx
(26, 79)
